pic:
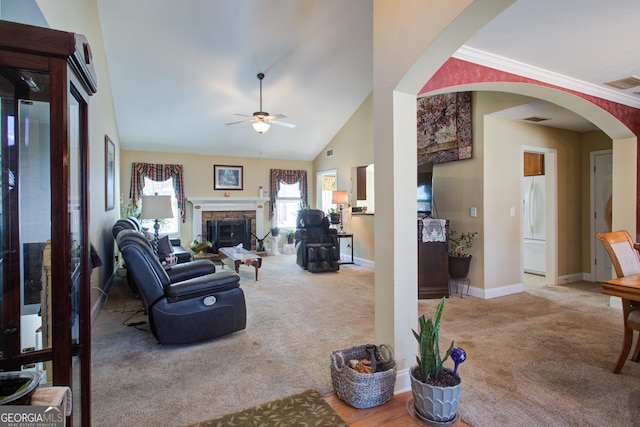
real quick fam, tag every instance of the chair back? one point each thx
(316, 225)
(624, 256)
(144, 266)
(129, 223)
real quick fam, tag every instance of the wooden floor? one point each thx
(394, 413)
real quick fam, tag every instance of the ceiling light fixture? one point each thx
(261, 127)
(261, 120)
(625, 83)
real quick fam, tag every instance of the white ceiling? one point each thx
(180, 70)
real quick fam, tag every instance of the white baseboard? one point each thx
(102, 297)
(403, 381)
(364, 262)
(496, 292)
(570, 278)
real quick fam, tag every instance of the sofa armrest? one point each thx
(201, 286)
(189, 270)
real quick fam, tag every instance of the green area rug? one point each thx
(304, 409)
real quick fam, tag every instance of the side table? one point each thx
(350, 241)
(273, 248)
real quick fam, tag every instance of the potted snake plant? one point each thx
(436, 389)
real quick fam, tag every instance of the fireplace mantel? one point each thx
(205, 204)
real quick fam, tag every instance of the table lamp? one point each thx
(156, 208)
(340, 198)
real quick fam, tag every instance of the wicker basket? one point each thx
(363, 390)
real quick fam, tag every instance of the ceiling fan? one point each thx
(261, 120)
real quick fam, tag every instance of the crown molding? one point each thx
(501, 63)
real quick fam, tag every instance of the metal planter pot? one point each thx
(459, 266)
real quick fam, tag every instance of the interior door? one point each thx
(603, 164)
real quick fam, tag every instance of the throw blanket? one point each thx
(433, 230)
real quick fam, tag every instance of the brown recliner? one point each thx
(317, 245)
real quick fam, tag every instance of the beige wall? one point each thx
(81, 16)
(491, 182)
(353, 146)
(198, 177)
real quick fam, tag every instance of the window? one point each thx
(327, 183)
(163, 188)
(288, 203)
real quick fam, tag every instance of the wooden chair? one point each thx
(625, 259)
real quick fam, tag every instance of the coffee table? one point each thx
(233, 258)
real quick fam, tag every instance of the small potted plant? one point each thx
(334, 216)
(436, 389)
(275, 231)
(459, 260)
(290, 236)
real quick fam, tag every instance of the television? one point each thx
(425, 189)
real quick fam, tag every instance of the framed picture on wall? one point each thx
(227, 177)
(109, 173)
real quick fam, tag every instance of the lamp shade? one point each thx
(261, 127)
(156, 207)
(339, 197)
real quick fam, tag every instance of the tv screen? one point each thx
(425, 188)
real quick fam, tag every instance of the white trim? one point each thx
(570, 278)
(362, 262)
(501, 63)
(207, 204)
(496, 292)
(403, 381)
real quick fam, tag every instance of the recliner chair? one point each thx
(198, 267)
(188, 308)
(132, 223)
(317, 245)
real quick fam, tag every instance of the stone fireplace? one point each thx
(228, 212)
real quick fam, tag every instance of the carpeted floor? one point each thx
(539, 358)
(294, 320)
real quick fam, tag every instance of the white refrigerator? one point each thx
(533, 207)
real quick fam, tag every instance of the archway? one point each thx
(396, 82)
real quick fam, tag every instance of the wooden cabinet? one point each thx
(361, 183)
(46, 79)
(533, 164)
(433, 267)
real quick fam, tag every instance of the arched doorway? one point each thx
(396, 82)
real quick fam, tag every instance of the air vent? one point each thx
(626, 83)
(536, 119)
(329, 152)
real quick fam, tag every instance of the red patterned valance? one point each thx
(156, 172)
(288, 177)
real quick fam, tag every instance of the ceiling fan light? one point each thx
(261, 127)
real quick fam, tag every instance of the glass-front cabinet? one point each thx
(46, 78)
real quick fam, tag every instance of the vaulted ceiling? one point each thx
(180, 71)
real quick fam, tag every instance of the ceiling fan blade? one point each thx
(277, 122)
(241, 121)
(242, 115)
(277, 116)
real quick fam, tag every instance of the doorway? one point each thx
(539, 218)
